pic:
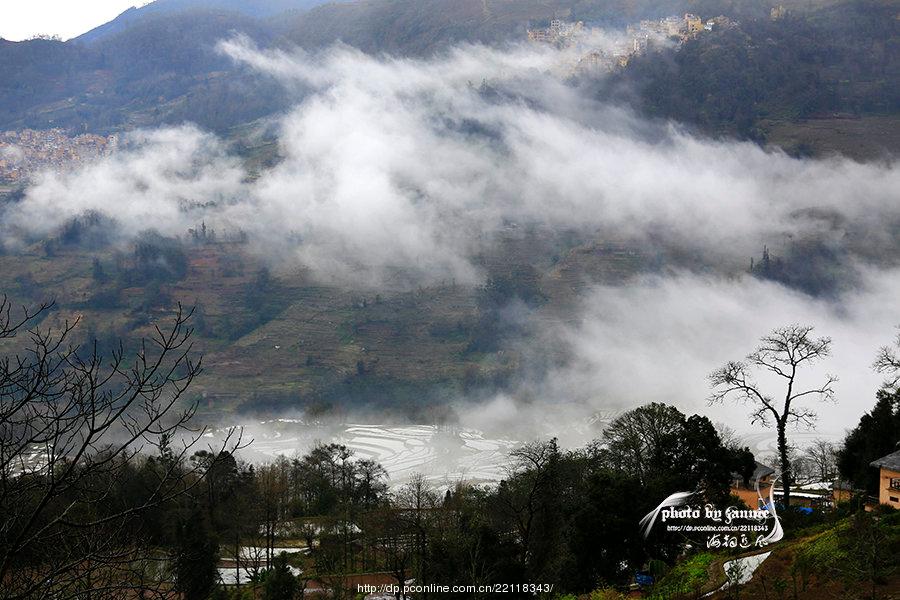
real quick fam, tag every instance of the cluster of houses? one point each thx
(821, 495)
(559, 33)
(638, 39)
(27, 151)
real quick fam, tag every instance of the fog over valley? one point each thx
(450, 299)
(394, 176)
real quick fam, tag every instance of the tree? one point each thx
(416, 499)
(392, 540)
(74, 485)
(196, 556)
(876, 435)
(823, 456)
(642, 442)
(783, 353)
(280, 582)
(527, 499)
(868, 549)
(888, 362)
(666, 451)
(98, 272)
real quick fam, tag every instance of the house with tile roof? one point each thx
(889, 479)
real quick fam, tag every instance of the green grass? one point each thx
(687, 577)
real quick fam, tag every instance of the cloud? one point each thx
(165, 179)
(398, 172)
(658, 338)
(416, 163)
(11, 152)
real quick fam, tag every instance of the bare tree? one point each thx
(783, 353)
(416, 501)
(523, 495)
(394, 540)
(73, 425)
(823, 456)
(888, 362)
(729, 437)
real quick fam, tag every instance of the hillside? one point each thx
(251, 8)
(420, 27)
(164, 69)
(840, 556)
(277, 340)
(762, 80)
(837, 61)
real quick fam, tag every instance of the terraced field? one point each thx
(304, 345)
(443, 454)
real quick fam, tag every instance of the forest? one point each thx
(107, 490)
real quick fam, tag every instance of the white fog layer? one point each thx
(415, 166)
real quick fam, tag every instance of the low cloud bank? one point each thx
(414, 166)
(657, 340)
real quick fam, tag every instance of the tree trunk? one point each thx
(785, 463)
(237, 559)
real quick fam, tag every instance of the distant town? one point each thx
(639, 39)
(28, 151)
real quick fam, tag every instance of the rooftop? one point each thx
(891, 461)
(760, 472)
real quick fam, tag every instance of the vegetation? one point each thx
(105, 489)
(164, 521)
(783, 352)
(74, 486)
(875, 436)
(686, 578)
(831, 59)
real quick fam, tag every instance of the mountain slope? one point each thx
(251, 8)
(163, 69)
(419, 27)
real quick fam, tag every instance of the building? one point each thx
(820, 500)
(673, 26)
(560, 32)
(641, 43)
(842, 491)
(889, 479)
(746, 491)
(693, 24)
(594, 61)
(541, 36)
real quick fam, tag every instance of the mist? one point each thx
(658, 338)
(414, 166)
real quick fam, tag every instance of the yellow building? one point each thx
(842, 491)
(693, 23)
(746, 491)
(889, 480)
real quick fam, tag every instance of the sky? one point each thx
(64, 18)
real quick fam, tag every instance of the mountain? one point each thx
(419, 27)
(157, 64)
(259, 9)
(162, 69)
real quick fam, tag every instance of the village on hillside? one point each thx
(639, 39)
(27, 151)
